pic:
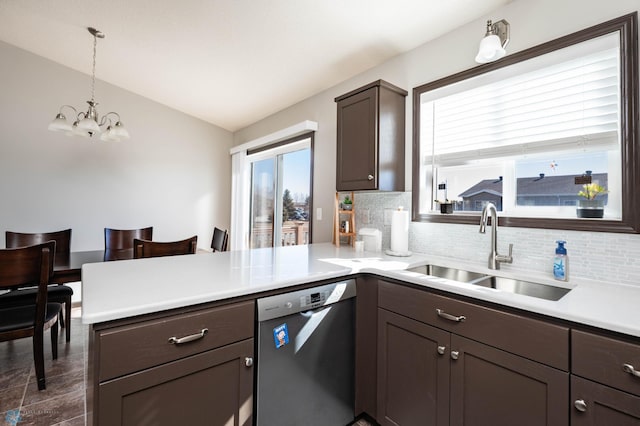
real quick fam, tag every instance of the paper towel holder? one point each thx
(401, 221)
(397, 254)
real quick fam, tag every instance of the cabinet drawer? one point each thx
(531, 338)
(602, 359)
(135, 347)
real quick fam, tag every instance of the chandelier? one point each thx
(88, 124)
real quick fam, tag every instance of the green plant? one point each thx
(347, 200)
(592, 190)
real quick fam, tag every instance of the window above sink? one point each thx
(527, 132)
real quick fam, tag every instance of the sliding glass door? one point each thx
(281, 195)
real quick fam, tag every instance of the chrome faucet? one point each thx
(494, 258)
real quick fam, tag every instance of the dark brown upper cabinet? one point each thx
(371, 138)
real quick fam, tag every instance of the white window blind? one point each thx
(572, 102)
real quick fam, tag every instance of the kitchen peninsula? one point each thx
(136, 307)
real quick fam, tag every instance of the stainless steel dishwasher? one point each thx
(305, 363)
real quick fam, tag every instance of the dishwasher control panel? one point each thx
(304, 300)
(314, 300)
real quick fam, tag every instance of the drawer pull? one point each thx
(370, 177)
(455, 354)
(441, 350)
(248, 361)
(186, 339)
(628, 368)
(580, 405)
(450, 317)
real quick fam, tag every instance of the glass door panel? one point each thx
(262, 202)
(295, 198)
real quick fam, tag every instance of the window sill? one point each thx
(591, 225)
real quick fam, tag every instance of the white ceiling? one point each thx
(230, 62)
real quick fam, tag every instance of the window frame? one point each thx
(627, 25)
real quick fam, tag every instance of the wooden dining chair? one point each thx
(220, 239)
(118, 243)
(56, 293)
(30, 266)
(146, 248)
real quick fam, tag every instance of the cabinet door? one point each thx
(211, 388)
(357, 146)
(493, 387)
(413, 376)
(599, 405)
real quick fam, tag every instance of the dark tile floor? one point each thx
(63, 402)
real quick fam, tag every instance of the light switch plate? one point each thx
(388, 213)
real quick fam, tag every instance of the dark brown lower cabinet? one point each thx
(210, 388)
(427, 376)
(599, 405)
(493, 387)
(443, 361)
(413, 376)
(182, 367)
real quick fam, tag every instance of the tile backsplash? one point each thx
(604, 256)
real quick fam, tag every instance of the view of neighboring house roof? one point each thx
(492, 186)
(556, 185)
(537, 185)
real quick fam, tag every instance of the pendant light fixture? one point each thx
(89, 124)
(495, 40)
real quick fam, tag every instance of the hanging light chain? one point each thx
(93, 70)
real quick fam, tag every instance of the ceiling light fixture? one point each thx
(494, 41)
(88, 123)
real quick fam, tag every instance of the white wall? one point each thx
(532, 22)
(173, 174)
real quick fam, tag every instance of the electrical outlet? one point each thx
(364, 217)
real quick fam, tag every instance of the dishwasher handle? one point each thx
(310, 312)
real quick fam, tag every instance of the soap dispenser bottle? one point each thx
(561, 262)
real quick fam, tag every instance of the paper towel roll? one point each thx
(400, 231)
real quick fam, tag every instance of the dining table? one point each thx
(68, 269)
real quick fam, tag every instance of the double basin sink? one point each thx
(527, 288)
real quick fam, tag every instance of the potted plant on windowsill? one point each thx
(588, 206)
(446, 206)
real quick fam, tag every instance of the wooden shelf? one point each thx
(347, 216)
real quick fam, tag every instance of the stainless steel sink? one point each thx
(527, 288)
(448, 273)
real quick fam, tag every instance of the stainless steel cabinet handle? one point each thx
(455, 354)
(580, 405)
(628, 368)
(186, 339)
(442, 349)
(450, 317)
(370, 177)
(248, 361)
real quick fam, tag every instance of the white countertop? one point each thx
(114, 290)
